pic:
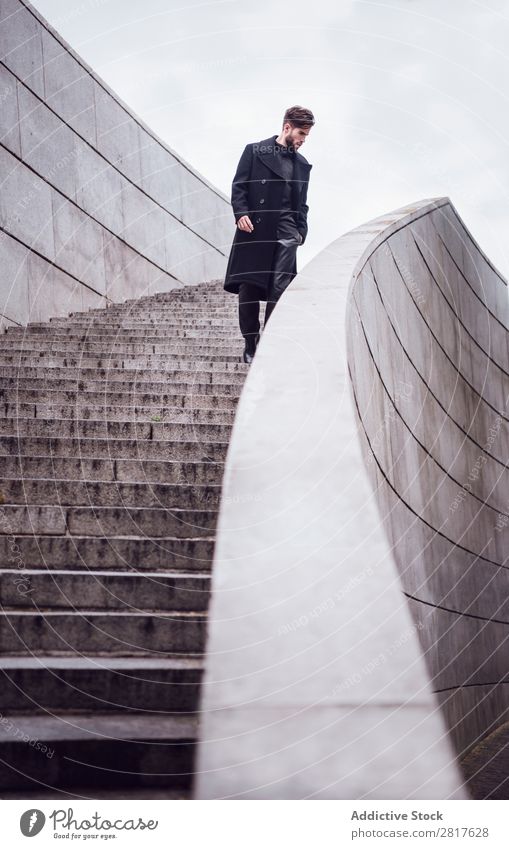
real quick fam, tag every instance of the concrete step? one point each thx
(145, 362)
(186, 295)
(176, 320)
(99, 521)
(137, 413)
(120, 429)
(98, 632)
(178, 323)
(35, 551)
(109, 397)
(169, 355)
(162, 314)
(142, 344)
(102, 750)
(198, 301)
(200, 306)
(85, 684)
(138, 388)
(183, 297)
(152, 327)
(227, 380)
(48, 347)
(157, 325)
(107, 336)
(109, 493)
(99, 336)
(106, 469)
(169, 306)
(72, 590)
(211, 368)
(136, 449)
(114, 427)
(94, 793)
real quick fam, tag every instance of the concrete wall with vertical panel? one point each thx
(94, 208)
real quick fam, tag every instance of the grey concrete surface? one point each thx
(360, 610)
(431, 358)
(108, 505)
(321, 678)
(94, 208)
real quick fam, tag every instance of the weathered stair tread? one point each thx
(92, 360)
(122, 633)
(33, 684)
(124, 388)
(182, 407)
(163, 615)
(114, 395)
(102, 750)
(72, 589)
(129, 469)
(182, 329)
(163, 430)
(121, 664)
(117, 727)
(94, 447)
(61, 347)
(178, 370)
(101, 552)
(181, 367)
(95, 520)
(92, 793)
(80, 405)
(84, 492)
(114, 430)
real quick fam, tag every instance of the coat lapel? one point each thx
(265, 151)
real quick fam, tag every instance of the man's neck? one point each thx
(280, 140)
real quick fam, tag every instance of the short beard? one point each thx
(289, 143)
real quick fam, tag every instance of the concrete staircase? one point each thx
(114, 425)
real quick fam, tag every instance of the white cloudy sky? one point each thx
(410, 96)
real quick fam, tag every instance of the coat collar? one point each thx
(265, 150)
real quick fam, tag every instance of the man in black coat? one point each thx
(269, 193)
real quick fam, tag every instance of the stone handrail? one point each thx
(359, 599)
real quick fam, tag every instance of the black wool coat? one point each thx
(257, 191)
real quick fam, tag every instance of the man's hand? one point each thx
(245, 224)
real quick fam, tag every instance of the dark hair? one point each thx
(298, 116)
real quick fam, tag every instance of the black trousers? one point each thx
(288, 240)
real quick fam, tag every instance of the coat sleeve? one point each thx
(241, 183)
(302, 217)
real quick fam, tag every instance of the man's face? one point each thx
(295, 135)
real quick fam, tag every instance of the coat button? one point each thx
(262, 200)
(258, 220)
(264, 181)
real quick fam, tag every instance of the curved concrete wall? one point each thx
(94, 208)
(341, 576)
(429, 357)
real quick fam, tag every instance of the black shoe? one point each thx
(250, 348)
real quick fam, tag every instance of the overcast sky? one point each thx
(410, 96)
